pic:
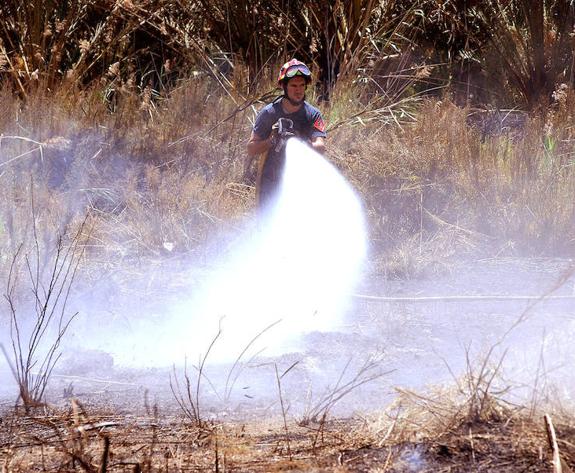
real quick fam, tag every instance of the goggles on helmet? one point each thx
(299, 70)
(294, 68)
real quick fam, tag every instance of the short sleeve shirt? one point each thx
(308, 122)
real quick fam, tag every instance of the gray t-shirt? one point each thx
(308, 122)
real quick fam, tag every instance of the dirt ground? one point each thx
(364, 399)
(83, 439)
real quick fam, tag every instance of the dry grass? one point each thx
(98, 107)
(420, 432)
(439, 187)
(95, 120)
(149, 193)
(166, 177)
(440, 430)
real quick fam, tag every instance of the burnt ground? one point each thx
(356, 399)
(78, 440)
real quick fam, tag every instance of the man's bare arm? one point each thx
(258, 145)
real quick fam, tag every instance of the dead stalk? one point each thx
(105, 454)
(30, 367)
(230, 382)
(284, 414)
(552, 438)
(325, 403)
(189, 399)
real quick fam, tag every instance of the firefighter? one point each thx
(288, 115)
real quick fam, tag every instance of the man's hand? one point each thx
(318, 144)
(282, 129)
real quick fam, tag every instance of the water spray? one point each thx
(291, 275)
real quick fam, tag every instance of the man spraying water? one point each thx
(295, 274)
(289, 115)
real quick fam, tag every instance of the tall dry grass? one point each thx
(158, 179)
(139, 45)
(97, 110)
(164, 177)
(439, 187)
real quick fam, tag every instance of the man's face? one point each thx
(296, 89)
